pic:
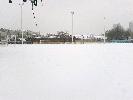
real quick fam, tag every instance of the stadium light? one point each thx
(72, 12)
(21, 5)
(104, 31)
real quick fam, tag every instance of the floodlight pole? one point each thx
(21, 5)
(104, 31)
(72, 12)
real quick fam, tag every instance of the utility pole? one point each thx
(72, 12)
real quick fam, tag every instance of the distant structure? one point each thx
(131, 26)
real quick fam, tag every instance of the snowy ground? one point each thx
(66, 72)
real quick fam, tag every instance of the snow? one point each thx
(66, 72)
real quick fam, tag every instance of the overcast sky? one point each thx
(55, 15)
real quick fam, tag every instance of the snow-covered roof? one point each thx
(52, 37)
(22, 39)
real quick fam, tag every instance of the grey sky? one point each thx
(55, 15)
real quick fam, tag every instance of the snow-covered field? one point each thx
(66, 72)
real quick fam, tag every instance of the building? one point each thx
(3, 35)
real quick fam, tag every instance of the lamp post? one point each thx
(21, 5)
(72, 12)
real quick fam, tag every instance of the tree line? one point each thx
(118, 33)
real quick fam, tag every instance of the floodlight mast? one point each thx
(72, 12)
(21, 5)
(104, 31)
